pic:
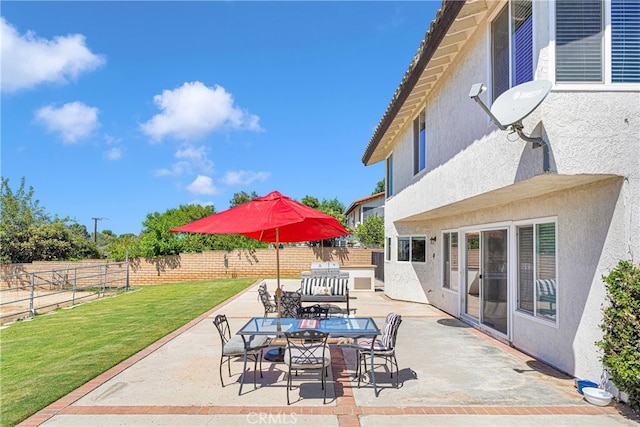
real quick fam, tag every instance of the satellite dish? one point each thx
(518, 102)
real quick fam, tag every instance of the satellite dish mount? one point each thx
(508, 111)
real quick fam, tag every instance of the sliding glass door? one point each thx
(486, 285)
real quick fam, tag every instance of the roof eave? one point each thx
(444, 19)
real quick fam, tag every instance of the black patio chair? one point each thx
(384, 347)
(307, 349)
(236, 346)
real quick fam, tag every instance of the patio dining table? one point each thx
(342, 332)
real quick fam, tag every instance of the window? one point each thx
(418, 249)
(582, 52)
(537, 284)
(419, 143)
(579, 40)
(388, 249)
(450, 261)
(403, 249)
(412, 248)
(625, 41)
(512, 47)
(389, 177)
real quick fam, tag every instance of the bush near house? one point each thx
(621, 326)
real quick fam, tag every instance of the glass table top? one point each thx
(335, 326)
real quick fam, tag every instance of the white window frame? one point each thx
(442, 239)
(410, 258)
(489, 39)
(389, 176)
(532, 316)
(606, 60)
(419, 149)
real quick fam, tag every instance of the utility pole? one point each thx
(95, 228)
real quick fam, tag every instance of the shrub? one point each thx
(621, 325)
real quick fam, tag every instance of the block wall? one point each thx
(216, 264)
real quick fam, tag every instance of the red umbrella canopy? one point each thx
(260, 218)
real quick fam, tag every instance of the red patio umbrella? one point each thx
(273, 218)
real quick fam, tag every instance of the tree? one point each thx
(371, 231)
(121, 247)
(28, 234)
(330, 207)
(82, 247)
(334, 208)
(19, 212)
(242, 197)
(157, 241)
(379, 187)
(310, 201)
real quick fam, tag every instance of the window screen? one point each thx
(522, 40)
(625, 41)
(500, 53)
(579, 40)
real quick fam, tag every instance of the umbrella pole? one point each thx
(278, 289)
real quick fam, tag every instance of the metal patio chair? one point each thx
(384, 347)
(307, 349)
(236, 346)
(268, 302)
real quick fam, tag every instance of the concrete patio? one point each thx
(450, 375)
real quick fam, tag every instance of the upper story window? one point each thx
(419, 143)
(583, 52)
(512, 47)
(389, 176)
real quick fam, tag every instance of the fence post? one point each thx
(75, 284)
(31, 310)
(126, 288)
(104, 281)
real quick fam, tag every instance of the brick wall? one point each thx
(217, 264)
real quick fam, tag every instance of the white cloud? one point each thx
(203, 185)
(194, 110)
(244, 177)
(111, 140)
(178, 168)
(113, 154)
(28, 60)
(196, 157)
(73, 121)
(190, 159)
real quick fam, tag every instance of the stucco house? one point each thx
(362, 208)
(510, 236)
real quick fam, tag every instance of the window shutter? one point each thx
(579, 40)
(625, 41)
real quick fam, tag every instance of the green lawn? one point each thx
(48, 357)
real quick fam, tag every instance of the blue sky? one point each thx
(120, 109)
